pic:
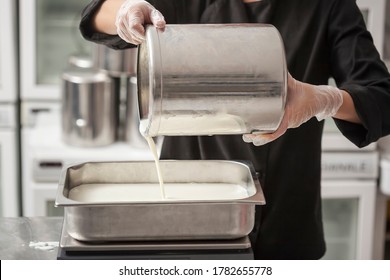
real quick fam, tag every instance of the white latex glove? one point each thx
(131, 18)
(304, 101)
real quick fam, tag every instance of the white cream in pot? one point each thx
(150, 192)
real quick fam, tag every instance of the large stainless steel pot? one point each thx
(132, 133)
(115, 62)
(89, 108)
(211, 79)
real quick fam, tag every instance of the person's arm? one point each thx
(358, 69)
(105, 17)
(363, 115)
(347, 111)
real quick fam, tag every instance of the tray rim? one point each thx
(257, 198)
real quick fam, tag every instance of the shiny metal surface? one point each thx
(165, 219)
(132, 133)
(34, 238)
(211, 79)
(70, 244)
(115, 62)
(89, 108)
(80, 61)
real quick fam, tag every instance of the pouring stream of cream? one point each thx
(153, 149)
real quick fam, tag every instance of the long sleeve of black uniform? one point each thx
(358, 69)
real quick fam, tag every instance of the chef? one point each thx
(323, 39)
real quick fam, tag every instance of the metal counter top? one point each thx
(26, 238)
(38, 238)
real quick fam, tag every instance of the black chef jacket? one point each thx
(322, 38)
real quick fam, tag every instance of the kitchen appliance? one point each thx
(50, 43)
(353, 207)
(9, 183)
(49, 40)
(374, 14)
(187, 90)
(49, 35)
(9, 135)
(385, 174)
(90, 108)
(349, 197)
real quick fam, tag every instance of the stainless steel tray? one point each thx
(138, 220)
(70, 244)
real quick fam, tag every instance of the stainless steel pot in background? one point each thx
(115, 62)
(80, 61)
(121, 66)
(89, 108)
(211, 79)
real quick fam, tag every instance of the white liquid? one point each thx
(152, 147)
(190, 125)
(92, 193)
(198, 125)
(44, 246)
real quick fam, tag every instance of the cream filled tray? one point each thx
(122, 201)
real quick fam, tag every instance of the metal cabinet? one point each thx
(352, 215)
(348, 216)
(9, 186)
(374, 13)
(48, 37)
(7, 51)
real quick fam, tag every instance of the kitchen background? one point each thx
(40, 41)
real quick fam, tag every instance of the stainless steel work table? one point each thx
(38, 238)
(26, 238)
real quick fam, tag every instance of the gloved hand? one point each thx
(304, 101)
(131, 18)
